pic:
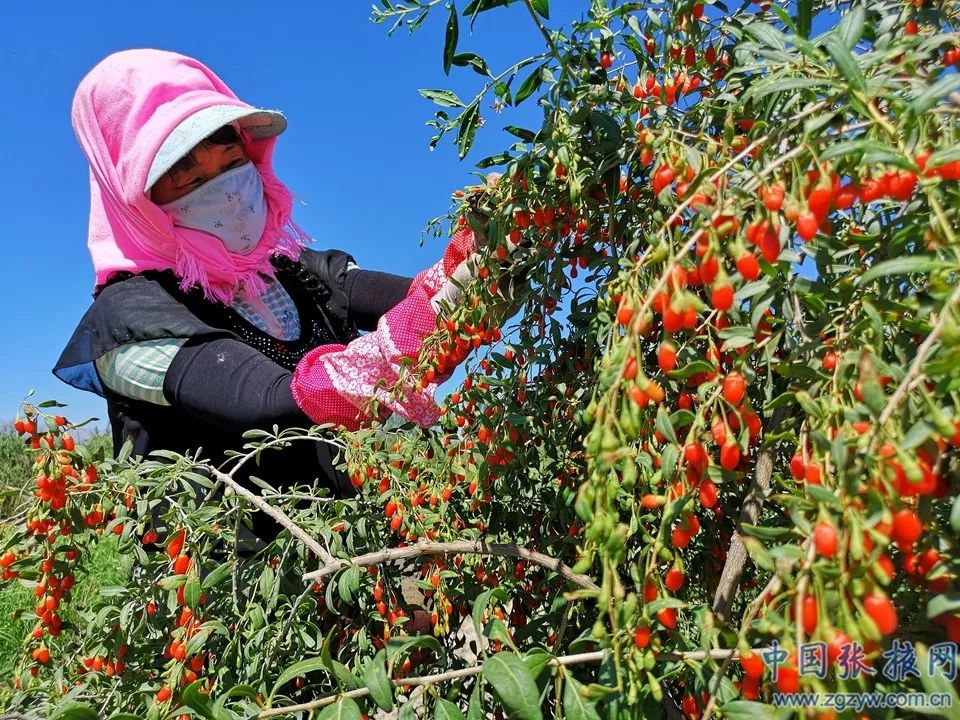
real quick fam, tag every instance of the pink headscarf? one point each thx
(123, 110)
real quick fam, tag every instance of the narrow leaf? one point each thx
(446, 710)
(376, 680)
(749, 710)
(74, 710)
(850, 27)
(575, 705)
(514, 685)
(451, 38)
(299, 669)
(804, 20)
(468, 129)
(846, 63)
(444, 98)
(902, 266)
(344, 709)
(929, 97)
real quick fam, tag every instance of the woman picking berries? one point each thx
(210, 316)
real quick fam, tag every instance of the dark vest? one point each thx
(150, 306)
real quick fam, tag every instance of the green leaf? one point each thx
(692, 368)
(881, 152)
(902, 266)
(943, 603)
(823, 496)
(749, 710)
(916, 435)
(446, 710)
(850, 27)
(514, 685)
(377, 681)
(481, 603)
(845, 62)
(397, 647)
(955, 515)
(929, 97)
(475, 708)
(74, 710)
(766, 34)
(444, 98)
(473, 60)
(542, 7)
(267, 583)
(528, 86)
(804, 20)
(943, 155)
(468, 129)
(522, 133)
(770, 86)
(662, 423)
(937, 684)
(478, 6)
(299, 669)
(50, 404)
(197, 700)
(763, 532)
(344, 709)
(451, 38)
(192, 592)
(348, 584)
(575, 705)
(536, 660)
(217, 576)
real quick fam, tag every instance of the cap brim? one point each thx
(260, 124)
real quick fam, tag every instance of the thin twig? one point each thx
(923, 352)
(564, 660)
(546, 34)
(281, 517)
(475, 547)
(591, 657)
(752, 609)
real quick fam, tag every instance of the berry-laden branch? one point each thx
(563, 660)
(474, 547)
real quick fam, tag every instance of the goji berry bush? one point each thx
(723, 420)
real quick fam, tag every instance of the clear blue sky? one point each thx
(356, 149)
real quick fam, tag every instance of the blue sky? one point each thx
(356, 150)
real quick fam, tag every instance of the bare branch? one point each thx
(923, 352)
(475, 547)
(563, 660)
(281, 517)
(752, 504)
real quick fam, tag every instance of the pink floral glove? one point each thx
(461, 245)
(335, 383)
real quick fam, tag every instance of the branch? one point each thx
(546, 34)
(772, 586)
(591, 657)
(923, 352)
(563, 660)
(752, 504)
(277, 514)
(476, 547)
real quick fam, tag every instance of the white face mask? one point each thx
(231, 206)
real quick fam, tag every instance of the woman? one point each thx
(210, 317)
